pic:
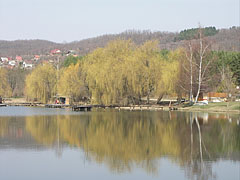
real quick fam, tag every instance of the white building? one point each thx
(28, 64)
(4, 59)
(12, 63)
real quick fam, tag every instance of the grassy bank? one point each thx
(215, 107)
(211, 107)
(15, 100)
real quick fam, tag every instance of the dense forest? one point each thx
(222, 39)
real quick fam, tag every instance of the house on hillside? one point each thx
(19, 58)
(12, 63)
(4, 59)
(71, 52)
(36, 57)
(28, 64)
(55, 51)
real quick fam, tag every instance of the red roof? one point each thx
(55, 51)
(18, 58)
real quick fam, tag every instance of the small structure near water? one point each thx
(1, 102)
(62, 100)
(56, 105)
(82, 108)
(140, 108)
(213, 97)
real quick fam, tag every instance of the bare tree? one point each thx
(195, 65)
(203, 47)
(189, 56)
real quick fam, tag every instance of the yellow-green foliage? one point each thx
(70, 82)
(106, 73)
(41, 83)
(120, 73)
(5, 89)
(125, 70)
(166, 84)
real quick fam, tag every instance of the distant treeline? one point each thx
(223, 39)
(188, 34)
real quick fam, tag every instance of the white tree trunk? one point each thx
(191, 74)
(190, 59)
(201, 72)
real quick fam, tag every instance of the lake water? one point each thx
(42, 144)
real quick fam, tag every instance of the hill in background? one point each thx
(222, 39)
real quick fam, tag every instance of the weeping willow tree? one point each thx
(121, 73)
(140, 71)
(105, 73)
(72, 83)
(124, 71)
(5, 89)
(166, 83)
(41, 83)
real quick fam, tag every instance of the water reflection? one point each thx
(123, 140)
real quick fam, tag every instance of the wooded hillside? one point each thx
(222, 39)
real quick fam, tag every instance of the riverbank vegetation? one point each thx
(120, 73)
(41, 83)
(4, 85)
(216, 107)
(124, 73)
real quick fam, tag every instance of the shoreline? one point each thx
(224, 107)
(209, 110)
(136, 108)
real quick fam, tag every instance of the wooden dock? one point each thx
(24, 104)
(131, 108)
(140, 108)
(85, 108)
(82, 108)
(56, 106)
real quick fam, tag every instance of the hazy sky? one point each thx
(69, 20)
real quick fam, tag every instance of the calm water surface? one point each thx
(38, 143)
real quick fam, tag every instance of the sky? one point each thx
(73, 20)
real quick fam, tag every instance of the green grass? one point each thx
(221, 106)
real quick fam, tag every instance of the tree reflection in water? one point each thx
(198, 167)
(124, 140)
